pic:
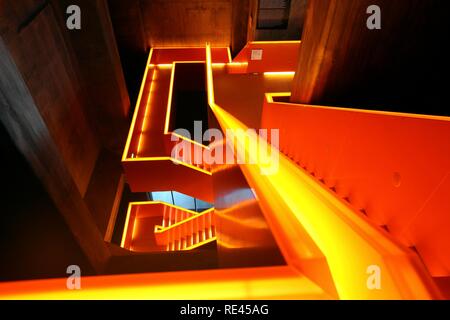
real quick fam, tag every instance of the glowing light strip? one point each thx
(179, 223)
(187, 48)
(269, 98)
(182, 47)
(280, 73)
(136, 111)
(165, 65)
(276, 42)
(125, 228)
(269, 95)
(143, 203)
(215, 64)
(230, 59)
(144, 120)
(349, 243)
(189, 140)
(169, 101)
(209, 76)
(144, 159)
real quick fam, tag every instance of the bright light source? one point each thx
(280, 73)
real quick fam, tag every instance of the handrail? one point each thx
(133, 205)
(189, 227)
(293, 201)
(193, 217)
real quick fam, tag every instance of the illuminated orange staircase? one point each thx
(157, 226)
(185, 230)
(148, 161)
(324, 215)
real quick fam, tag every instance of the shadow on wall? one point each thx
(35, 242)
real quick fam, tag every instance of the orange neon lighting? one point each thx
(249, 283)
(377, 137)
(125, 228)
(280, 73)
(209, 76)
(298, 209)
(341, 234)
(165, 65)
(150, 94)
(180, 229)
(271, 95)
(326, 219)
(174, 160)
(276, 42)
(173, 226)
(136, 111)
(169, 106)
(169, 102)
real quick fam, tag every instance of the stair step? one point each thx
(191, 230)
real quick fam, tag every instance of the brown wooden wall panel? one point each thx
(187, 23)
(42, 57)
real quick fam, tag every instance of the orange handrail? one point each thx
(295, 204)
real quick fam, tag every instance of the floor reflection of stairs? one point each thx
(185, 230)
